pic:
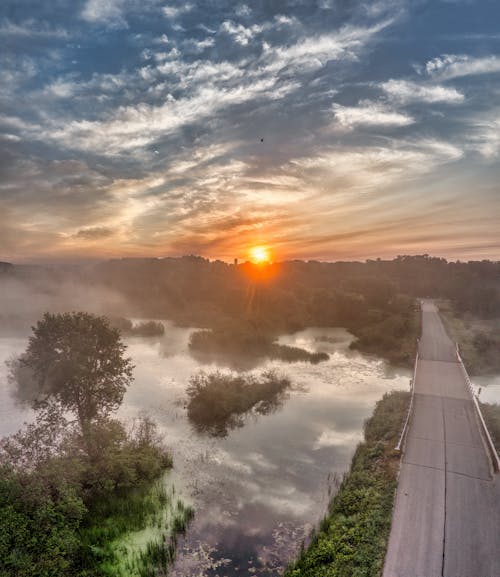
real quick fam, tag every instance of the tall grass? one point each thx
(134, 534)
(352, 538)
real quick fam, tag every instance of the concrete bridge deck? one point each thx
(446, 520)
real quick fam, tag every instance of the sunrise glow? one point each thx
(259, 255)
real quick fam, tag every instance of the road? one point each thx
(446, 520)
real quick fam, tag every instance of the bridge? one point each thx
(446, 518)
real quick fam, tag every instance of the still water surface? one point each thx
(259, 491)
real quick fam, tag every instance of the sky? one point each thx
(328, 129)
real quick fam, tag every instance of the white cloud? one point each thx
(485, 138)
(369, 168)
(406, 91)
(138, 126)
(314, 52)
(455, 66)
(109, 12)
(242, 34)
(172, 12)
(370, 114)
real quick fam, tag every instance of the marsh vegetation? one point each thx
(219, 401)
(75, 481)
(352, 538)
(245, 346)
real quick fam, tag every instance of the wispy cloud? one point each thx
(370, 114)
(108, 12)
(455, 66)
(173, 12)
(94, 233)
(406, 91)
(31, 29)
(157, 127)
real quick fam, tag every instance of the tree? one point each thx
(78, 362)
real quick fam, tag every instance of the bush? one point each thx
(219, 402)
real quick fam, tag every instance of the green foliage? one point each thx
(105, 547)
(77, 359)
(39, 520)
(68, 488)
(219, 402)
(60, 509)
(352, 538)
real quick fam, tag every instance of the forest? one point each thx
(248, 305)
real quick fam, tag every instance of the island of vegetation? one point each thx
(352, 538)
(238, 345)
(140, 329)
(219, 402)
(76, 485)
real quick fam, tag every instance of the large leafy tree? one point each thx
(78, 361)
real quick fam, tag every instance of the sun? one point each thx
(260, 255)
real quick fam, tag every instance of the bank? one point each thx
(352, 538)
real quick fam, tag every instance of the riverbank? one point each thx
(353, 536)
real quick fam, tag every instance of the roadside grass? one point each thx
(491, 414)
(478, 339)
(352, 538)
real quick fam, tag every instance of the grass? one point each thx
(219, 402)
(478, 339)
(352, 538)
(491, 414)
(133, 534)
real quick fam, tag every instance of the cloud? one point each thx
(172, 12)
(405, 91)
(485, 137)
(32, 29)
(108, 12)
(311, 53)
(455, 66)
(94, 233)
(138, 126)
(370, 114)
(242, 34)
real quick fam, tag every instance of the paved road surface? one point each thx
(446, 520)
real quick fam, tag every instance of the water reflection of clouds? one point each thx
(272, 472)
(333, 438)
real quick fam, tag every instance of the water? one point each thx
(490, 388)
(259, 491)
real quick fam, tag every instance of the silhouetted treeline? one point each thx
(375, 299)
(297, 291)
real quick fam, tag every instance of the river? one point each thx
(258, 492)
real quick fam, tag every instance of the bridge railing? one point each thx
(402, 437)
(489, 442)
